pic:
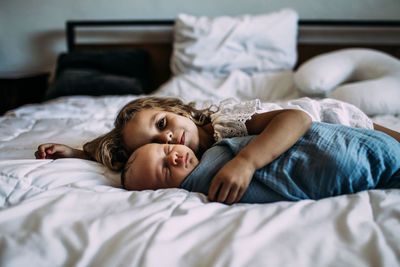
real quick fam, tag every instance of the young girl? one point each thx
(168, 120)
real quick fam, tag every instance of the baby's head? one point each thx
(155, 166)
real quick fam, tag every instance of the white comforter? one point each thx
(71, 212)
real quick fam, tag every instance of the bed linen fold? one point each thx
(73, 212)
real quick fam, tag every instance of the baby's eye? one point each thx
(161, 124)
(166, 169)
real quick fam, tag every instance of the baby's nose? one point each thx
(174, 158)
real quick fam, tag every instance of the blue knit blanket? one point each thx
(329, 160)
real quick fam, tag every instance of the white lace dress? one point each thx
(230, 118)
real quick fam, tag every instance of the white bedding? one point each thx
(71, 212)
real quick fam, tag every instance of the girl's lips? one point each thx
(182, 141)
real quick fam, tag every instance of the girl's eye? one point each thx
(161, 124)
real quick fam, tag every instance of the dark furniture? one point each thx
(17, 89)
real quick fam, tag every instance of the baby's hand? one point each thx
(54, 151)
(231, 181)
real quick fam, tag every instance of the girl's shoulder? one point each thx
(229, 120)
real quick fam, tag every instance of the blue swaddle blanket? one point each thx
(329, 160)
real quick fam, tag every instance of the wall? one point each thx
(32, 31)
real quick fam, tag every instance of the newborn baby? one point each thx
(329, 160)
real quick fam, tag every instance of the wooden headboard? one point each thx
(156, 36)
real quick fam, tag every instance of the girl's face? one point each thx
(158, 126)
(156, 166)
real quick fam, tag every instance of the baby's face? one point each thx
(155, 166)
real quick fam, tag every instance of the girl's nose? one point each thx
(166, 137)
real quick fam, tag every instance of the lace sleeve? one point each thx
(230, 119)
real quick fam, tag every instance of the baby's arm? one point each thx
(278, 131)
(56, 151)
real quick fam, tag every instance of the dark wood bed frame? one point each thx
(315, 37)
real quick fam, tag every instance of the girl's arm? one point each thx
(278, 131)
(394, 134)
(56, 151)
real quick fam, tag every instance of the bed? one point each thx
(73, 212)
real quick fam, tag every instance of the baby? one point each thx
(329, 160)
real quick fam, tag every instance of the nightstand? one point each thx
(19, 88)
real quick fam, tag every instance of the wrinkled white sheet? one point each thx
(71, 212)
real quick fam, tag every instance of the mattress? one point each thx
(73, 212)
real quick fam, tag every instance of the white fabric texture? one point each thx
(268, 86)
(367, 78)
(229, 120)
(71, 212)
(217, 46)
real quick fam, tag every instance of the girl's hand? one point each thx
(56, 151)
(231, 181)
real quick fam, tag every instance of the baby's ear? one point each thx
(117, 166)
(119, 160)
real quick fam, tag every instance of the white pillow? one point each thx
(221, 45)
(366, 78)
(268, 86)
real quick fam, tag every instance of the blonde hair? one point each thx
(110, 149)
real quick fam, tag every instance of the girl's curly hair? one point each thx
(110, 149)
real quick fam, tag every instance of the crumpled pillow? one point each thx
(366, 78)
(95, 73)
(94, 83)
(220, 45)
